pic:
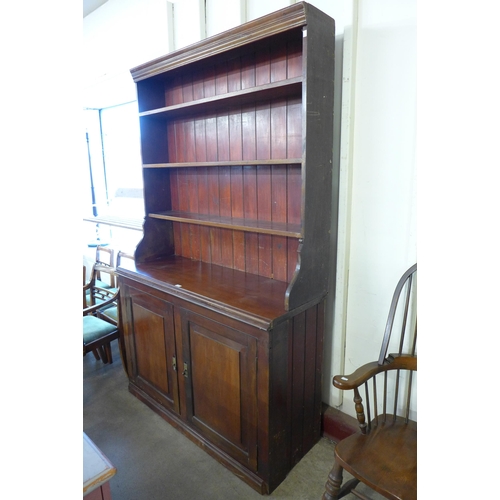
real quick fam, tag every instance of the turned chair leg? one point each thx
(332, 486)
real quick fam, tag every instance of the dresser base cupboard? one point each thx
(223, 309)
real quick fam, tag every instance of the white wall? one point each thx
(117, 36)
(379, 219)
(375, 131)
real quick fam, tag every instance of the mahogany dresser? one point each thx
(223, 310)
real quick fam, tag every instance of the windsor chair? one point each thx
(383, 454)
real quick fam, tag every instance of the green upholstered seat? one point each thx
(110, 312)
(95, 329)
(100, 328)
(97, 337)
(102, 284)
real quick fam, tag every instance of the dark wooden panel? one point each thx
(264, 213)
(154, 147)
(250, 208)
(187, 87)
(221, 385)
(193, 206)
(311, 412)
(276, 455)
(211, 138)
(216, 383)
(313, 277)
(279, 214)
(294, 58)
(248, 71)
(150, 347)
(172, 154)
(256, 196)
(174, 94)
(209, 81)
(294, 215)
(294, 129)
(150, 333)
(279, 188)
(226, 235)
(198, 85)
(214, 209)
(234, 74)
(203, 207)
(150, 95)
(297, 351)
(263, 130)
(221, 78)
(263, 66)
(237, 210)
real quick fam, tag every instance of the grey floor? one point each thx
(156, 462)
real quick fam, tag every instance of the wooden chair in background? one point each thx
(102, 321)
(104, 260)
(383, 455)
(98, 333)
(110, 313)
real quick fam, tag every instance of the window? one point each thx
(113, 194)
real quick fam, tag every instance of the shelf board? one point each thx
(248, 225)
(232, 163)
(283, 88)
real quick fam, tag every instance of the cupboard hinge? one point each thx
(185, 371)
(174, 363)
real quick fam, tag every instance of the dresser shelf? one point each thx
(233, 163)
(253, 226)
(252, 95)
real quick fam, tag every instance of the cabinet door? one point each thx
(154, 360)
(220, 385)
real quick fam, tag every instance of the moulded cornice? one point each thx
(272, 24)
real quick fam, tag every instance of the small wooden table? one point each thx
(97, 471)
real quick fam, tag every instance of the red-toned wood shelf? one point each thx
(233, 163)
(275, 90)
(254, 226)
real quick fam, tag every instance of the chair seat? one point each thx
(110, 312)
(102, 284)
(95, 329)
(374, 457)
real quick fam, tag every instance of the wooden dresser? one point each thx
(223, 310)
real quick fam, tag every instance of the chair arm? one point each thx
(96, 307)
(359, 377)
(367, 371)
(105, 269)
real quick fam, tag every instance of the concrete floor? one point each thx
(156, 462)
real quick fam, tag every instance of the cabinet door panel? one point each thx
(221, 393)
(154, 348)
(211, 362)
